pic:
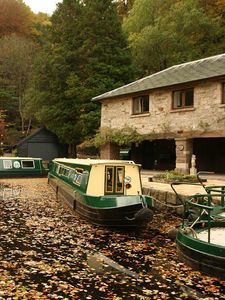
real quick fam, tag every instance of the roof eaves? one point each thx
(204, 68)
(29, 136)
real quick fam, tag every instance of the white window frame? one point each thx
(22, 161)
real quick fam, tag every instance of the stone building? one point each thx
(181, 108)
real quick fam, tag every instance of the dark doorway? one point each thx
(210, 154)
(155, 155)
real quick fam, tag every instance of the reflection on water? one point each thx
(102, 264)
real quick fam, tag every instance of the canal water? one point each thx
(47, 252)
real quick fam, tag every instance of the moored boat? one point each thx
(105, 192)
(201, 237)
(21, 167)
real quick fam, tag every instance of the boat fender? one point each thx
(144, 214)
(172, 233)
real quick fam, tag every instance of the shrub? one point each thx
(174, 176)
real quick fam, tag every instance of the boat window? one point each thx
(7, 164)
(109, 180)
(27, 164)
(72, 175)
(119, 179)
(78, 179)
(78, 176)
(79, 170)
(60, 170)
(57, 169)
(114, 179)
(66, 172)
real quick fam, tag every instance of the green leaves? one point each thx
(172, 32)
(86, 55)
(122, 137)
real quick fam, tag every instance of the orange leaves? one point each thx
(45, 254)
(15, 17)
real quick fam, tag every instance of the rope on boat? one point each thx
(143, 202)
(166, 204)
(218, 218)
(188, 230)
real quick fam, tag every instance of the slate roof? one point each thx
(36, 132)
(205, 68)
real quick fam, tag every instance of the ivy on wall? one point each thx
(122, 137)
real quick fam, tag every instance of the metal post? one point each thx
(222, 195)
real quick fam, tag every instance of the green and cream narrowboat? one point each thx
(105, 192)
(21, 166)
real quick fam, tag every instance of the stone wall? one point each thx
(207, 117)
(110, 151)
(165, 200)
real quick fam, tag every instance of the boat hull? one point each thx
(206, 257)
(123, 216)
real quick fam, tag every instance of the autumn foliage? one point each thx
(15, 17)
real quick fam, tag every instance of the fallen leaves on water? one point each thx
(44, 251)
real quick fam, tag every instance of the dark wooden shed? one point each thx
(42, 143)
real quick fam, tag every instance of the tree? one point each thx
(86, 55)
(41, 24)
(21, 35)
(2, 129)
(16, 56)
(15, 17)
(123, 7)
(215, 8)
(163, 33)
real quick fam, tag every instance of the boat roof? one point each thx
(89, 162)
(17, 157)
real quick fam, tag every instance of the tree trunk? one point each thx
(29, 125)
(72, 151)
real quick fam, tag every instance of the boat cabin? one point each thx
(101, 177)
(21, 166)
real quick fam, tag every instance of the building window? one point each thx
(223, 92)
(183, 98)
(140, 105)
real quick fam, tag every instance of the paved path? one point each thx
(182, 189)
(164, 193)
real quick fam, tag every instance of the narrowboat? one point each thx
(201, 237)
(21, 167)
(105, 192)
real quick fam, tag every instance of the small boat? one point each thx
(201, 237)
(21, 167)
(105, 192)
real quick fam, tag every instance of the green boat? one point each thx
(201, 237)
(105, 192)
(21, 167)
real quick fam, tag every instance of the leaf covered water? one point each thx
(47, 252)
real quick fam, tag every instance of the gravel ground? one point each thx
(48, 252)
